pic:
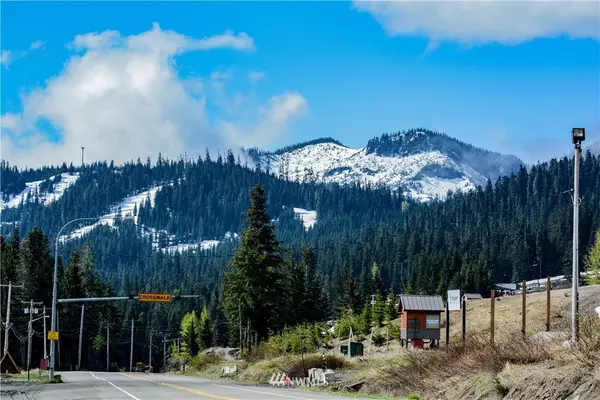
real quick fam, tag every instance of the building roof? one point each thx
(473, 296)
(422, 303)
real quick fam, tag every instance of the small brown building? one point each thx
(420, 318)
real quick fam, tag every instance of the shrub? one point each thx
(305, 338)
(587, 350)
(203, 361)
(347, 321)
(378, 339)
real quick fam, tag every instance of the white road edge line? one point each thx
(101, 379)
(261, 392)
(115, 386)
(127, 393)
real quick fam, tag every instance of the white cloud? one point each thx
(5, 58)
(157, 40)
(38, 44)
(255, 76)
(276, 117)
(10, 122)
(484, 21)
(8, 56)
(123, 98)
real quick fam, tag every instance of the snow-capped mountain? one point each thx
(419, 162)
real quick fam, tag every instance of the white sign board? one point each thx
(454, 300)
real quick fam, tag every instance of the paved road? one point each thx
(139, 386)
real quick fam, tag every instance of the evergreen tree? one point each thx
(366, 318)
(254, 284)
(592, 262)
(378, 311)
(189, 334)
(205, 330)
(391, 310)
(37, 266)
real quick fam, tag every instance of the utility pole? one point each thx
(7, 325)
(150, 351)
(165, 351)
(240, 320)
(82, 155)
(80, 338)
(30, 310)
(578, 135)
(131, 349)
(45, 337)
(107, 347)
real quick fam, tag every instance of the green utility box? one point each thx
(356, 349)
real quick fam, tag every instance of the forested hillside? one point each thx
(505, 231)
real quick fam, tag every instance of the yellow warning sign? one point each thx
(155, 297)
(52, 335)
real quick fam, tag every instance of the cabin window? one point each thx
(432, 321)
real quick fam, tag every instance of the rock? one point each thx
(225, 353)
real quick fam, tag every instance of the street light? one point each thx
(55, 284)
(578, 136)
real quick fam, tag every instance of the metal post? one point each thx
(150, 351)
(575, 278)
(464, 319)
(131, 349)
(548, 304)
(387, 340)
(58, 344)
(53, 323)
(447, 325)
(524, 307)
(107, 348)
(493, 306)
(80, 338)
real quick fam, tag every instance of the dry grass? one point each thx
(293, 366)
(424, 371)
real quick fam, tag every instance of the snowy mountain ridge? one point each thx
(421, 163)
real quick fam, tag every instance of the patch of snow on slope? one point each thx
(309, 218)
(183, 247)
(122, 209)
(32, 188)
(429, 188)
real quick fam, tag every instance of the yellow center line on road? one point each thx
(195, 391)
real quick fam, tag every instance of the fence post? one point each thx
(493, 306)
(547, 304)
(464, 319)
(524, 306)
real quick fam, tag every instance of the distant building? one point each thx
(473, 296)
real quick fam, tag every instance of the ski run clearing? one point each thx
(125, 209)
(59, 186)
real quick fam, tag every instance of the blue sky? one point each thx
(271, 74)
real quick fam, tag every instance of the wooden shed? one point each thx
(420, 318)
